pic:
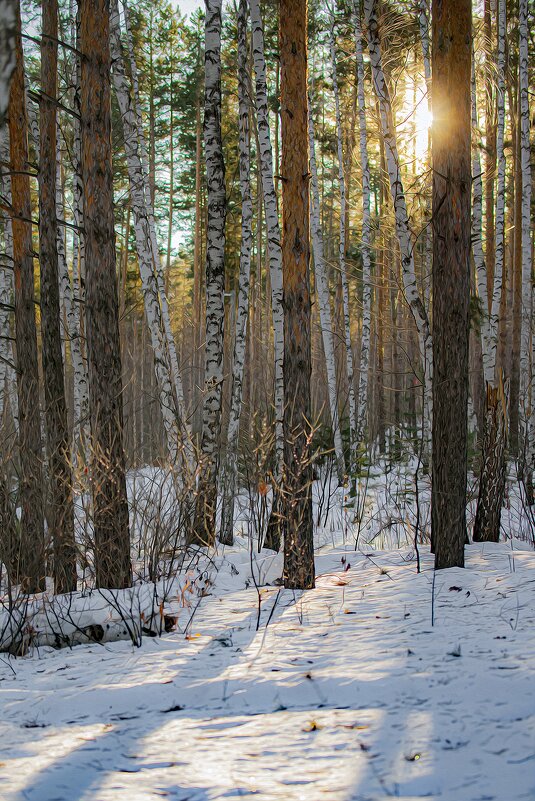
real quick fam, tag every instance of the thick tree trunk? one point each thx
(203, 532)
(110, 507)
(452, 46)
(60, 504)
(240, 338)
(30, 565)
(298, 530)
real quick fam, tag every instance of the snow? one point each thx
(380, 682)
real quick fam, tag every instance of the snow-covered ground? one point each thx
(360, 689)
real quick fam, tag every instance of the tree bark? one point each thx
(110, 507)
(30, 566)
(240, 337)
(451, 59)
(298, 530)
(203, 532)
(60, 503)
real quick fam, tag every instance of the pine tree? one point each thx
(110, 507)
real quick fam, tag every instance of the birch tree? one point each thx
(367, 289)
(273, 234)
(203, 532)
(240, 336)
(322, 290)
(7, 372)
(400, 206)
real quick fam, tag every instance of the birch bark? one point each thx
(203, 532)
(367, 290)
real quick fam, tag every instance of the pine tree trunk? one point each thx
(203, 532)
(60, 504)
(110, 507)
(30, 564)
(298, 530)
(452, 46)
(240, 337)
(324, 301)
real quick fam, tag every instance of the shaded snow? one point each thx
(350, 693)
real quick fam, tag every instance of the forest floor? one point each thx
(381, 682)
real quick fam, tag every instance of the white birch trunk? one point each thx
(272, 225)
(367, 290)
(322, 289)
(240, 337)
(8, 27)
(527, 365)
(166, 317)
(400, 208)
(477, 238)
(352, 401)
(494, 311)
(205, 519)
(172, 412)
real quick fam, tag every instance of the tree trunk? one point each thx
(492, 478)
(203, 532)
(367, 289)
(275, 259)
(110, 507)
(30, 564)
(60, 504)
(240, 338)
(452, 46)
(298, 530)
